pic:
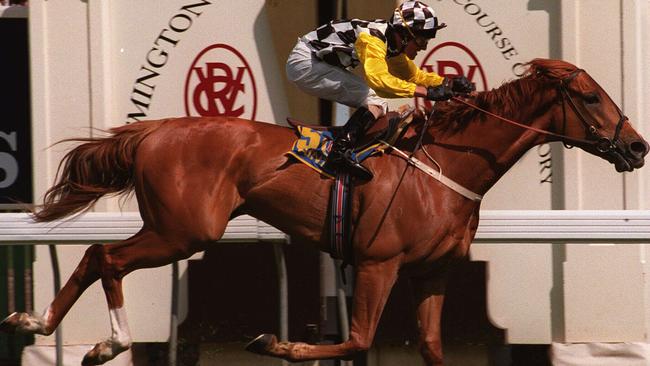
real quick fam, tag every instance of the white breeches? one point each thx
(320, 79)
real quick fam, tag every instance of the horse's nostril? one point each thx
(639, 148)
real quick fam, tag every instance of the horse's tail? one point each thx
(99, 166)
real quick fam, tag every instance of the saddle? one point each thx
(388, 128)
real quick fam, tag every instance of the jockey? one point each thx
(321, 61)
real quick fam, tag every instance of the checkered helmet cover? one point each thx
(417, 18)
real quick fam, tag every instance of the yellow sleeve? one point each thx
(404, 68)
(371, 52)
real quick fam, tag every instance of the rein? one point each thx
(601, 143)
(539, 130)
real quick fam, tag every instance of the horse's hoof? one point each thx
(102, 352)
(10, 323)
(96, 356)
(23, 323)
(262, 344)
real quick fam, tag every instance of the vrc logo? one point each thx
(453, 59)
(220, 83)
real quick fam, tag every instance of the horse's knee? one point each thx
(431, 351)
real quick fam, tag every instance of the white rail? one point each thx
(18, 228)
(615, 226)
(495, 227)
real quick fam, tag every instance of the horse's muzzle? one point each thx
(628, 156)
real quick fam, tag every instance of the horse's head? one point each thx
(589, 117)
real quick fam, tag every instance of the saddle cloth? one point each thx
(313, 146)
(315, 143)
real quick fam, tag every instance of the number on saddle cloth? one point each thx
(313, 147)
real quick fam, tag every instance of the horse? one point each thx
(192, 175)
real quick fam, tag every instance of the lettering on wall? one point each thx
(495, 34)
(545, 164)
(157, 57)
(8, 161)
(15, 163)
(498, 38)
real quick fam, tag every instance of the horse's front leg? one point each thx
(374, 282)
(429, 294)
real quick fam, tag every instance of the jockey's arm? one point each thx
(403, 67)
(397, 78)
(371, 52)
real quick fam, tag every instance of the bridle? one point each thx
(600, 142)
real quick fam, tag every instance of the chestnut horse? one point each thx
(192, 175)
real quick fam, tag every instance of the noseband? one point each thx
(598, 141)
(601, 143)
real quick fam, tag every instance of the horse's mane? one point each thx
(507, 100)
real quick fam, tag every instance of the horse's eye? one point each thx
(591, 98)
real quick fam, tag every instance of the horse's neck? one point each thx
(487, 148)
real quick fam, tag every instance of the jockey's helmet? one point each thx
(414, 18)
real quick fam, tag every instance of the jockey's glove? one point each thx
(441, 92)
(461, 85)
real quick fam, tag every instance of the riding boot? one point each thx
(343, 145)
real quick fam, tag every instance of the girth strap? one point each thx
(339, 218)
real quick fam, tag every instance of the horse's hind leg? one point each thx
(146, 250)
(374, 282)
(111, 263)
(86, 273)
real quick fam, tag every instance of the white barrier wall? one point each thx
(605, 286)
